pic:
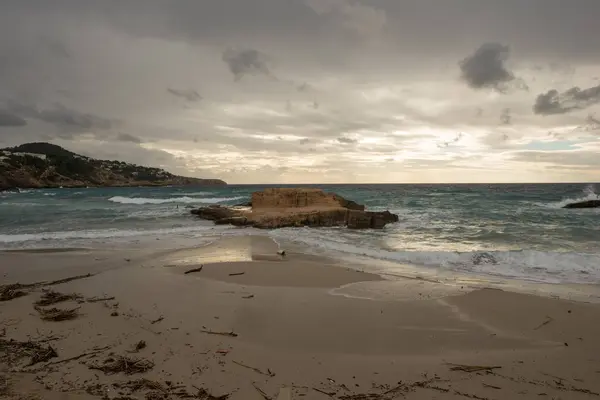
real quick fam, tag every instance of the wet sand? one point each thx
(313, 325)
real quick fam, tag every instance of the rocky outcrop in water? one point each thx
(287, 207)
(44, 165)
(584, 204)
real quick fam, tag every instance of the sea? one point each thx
(508, 231)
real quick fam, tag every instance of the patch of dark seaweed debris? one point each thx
(123, 364)
(50, 297)
(57, 314)
(12, 291)
(12, 351)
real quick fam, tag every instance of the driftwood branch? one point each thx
(193, 270)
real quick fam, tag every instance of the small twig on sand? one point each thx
(546, 322)
(330, 394)
(98, 299)
(472, 368)
(261, 392)
(60, 281)
(156, 321)
(230, 334)
(89, 353)
(248, 297)
(491, 386)
(237, 273)
(193, 270)
(268, 373)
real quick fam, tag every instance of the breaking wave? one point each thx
(588, 193)
(531, 265)
(184, 199)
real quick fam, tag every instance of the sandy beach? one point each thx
(251, 324)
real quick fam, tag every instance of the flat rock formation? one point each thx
(287, 207)
(584, 204)
(44, 165)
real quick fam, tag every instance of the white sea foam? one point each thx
(103, 234)
(195, 193)
(537, 266)
(184, 199)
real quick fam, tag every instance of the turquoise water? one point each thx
(501, 230)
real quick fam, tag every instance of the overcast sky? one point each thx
(293, 91)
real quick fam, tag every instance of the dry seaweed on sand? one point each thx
(4, 386)
(124, 364)
(203, 394)
(12, 291)
(57, 314)
(140, 384)
(472, 368)
(50, 297)
(12, 351)
(157, 395)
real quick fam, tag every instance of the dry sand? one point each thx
(298, 323)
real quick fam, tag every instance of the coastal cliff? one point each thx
(288, 207)
(44, 165)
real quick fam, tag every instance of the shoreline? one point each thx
(385, 270)
(309, 329)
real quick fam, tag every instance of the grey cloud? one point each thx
(505, 117)
(591, 119)
(8, 119)
(125, 137)
(362, 21)
(565, 158)
(62, 117)
(345, 140)
(486, 67)
(189, 95)
(246, 62)
(554, 102)
(304, 87)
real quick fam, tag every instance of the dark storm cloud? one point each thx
(189, 95)
(8, 119)
(125, 137)
(505, 117)
(243, 62)
(554, 102)
(486, 67)
(345, 140)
